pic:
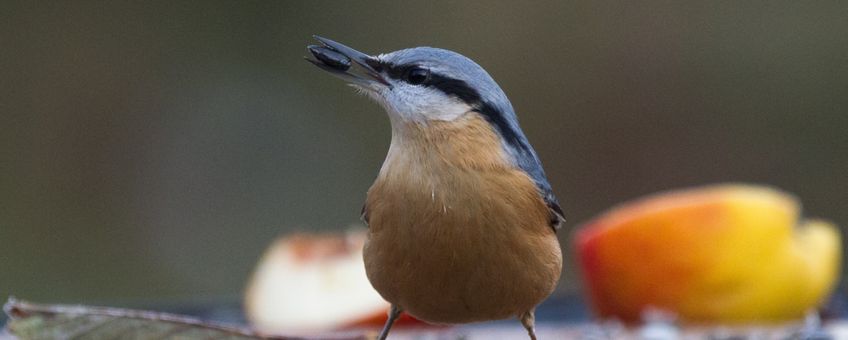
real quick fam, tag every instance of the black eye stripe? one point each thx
(455, 87)
(448, 85)
(394, 71)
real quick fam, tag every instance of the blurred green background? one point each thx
(150, 151)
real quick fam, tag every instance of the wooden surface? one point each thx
(567, 318)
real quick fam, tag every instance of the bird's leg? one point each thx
(528, 319)
(394, 312)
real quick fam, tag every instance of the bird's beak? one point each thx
(348, 64)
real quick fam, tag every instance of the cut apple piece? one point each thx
(309, 283)
(728, 253)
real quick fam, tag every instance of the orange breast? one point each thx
(458, 234)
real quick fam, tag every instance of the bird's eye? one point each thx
(417, 75)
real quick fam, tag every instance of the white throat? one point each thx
(407, 103)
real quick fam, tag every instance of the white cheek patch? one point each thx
(419, 103)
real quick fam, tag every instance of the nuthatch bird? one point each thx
(461, 219)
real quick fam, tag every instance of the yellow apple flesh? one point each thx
(729, 253)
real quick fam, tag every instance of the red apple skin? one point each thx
(726, 253)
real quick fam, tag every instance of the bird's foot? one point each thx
(528, 319)
(394, 312)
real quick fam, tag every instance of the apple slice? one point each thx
(308, 283)
(727, 253)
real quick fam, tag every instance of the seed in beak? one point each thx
(330, 57)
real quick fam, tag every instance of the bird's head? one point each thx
(418, 84)
(425, 84)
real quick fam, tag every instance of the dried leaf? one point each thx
(36, 321)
